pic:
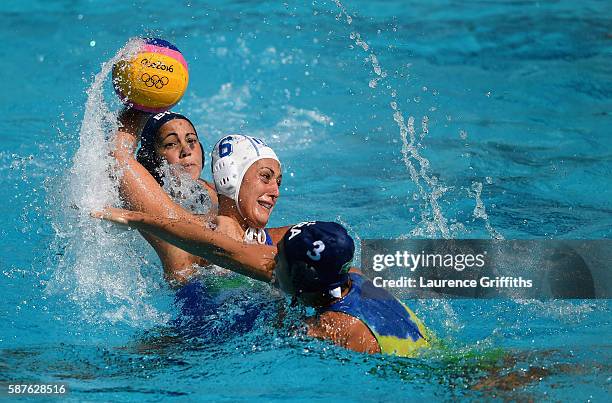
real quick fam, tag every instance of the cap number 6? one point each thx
(225, 147)
(315, 254)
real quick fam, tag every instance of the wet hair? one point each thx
(147, 155)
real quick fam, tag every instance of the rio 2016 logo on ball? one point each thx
(155, 79)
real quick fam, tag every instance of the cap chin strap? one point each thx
(255, 235)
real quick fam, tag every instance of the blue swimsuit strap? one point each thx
(268, 238)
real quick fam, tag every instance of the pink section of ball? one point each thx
(152, 110)
(168, 52)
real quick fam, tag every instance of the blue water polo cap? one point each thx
(327, 251)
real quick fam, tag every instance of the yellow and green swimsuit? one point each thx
(395, 327)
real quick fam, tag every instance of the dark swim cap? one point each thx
(146, 154)
(153, 125)
(327, 251)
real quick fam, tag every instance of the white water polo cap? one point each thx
(231, 157)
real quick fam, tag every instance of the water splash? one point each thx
(96, 267)
(184, 191)
(430, 190)
(480, 211)
(356, 237)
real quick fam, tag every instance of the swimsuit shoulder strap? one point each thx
(268, 238)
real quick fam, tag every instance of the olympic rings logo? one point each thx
(154, 80)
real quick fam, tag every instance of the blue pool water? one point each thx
(509, 104)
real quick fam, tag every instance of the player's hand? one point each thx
(116, 215)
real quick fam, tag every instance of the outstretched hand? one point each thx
(116, 215)
(193, 236)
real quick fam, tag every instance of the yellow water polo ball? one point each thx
(155, 79)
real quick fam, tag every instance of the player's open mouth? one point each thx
(265, 205)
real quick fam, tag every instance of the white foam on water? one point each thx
(98, 269)
(566, 311)
(228, 111)
(298, 129)
(223, 111)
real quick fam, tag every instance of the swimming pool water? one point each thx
(510, 103)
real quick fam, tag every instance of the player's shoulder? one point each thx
(278, 233)
(344, 330)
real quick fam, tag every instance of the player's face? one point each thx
(177, 143)
(259, 191)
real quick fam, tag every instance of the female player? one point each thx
(246, 172)
(312, 264)
(167, 139)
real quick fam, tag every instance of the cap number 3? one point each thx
(315, 254)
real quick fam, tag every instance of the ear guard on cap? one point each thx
(310, 279)
(305, 278)
(225, 173)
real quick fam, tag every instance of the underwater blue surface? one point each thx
(510, 107)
